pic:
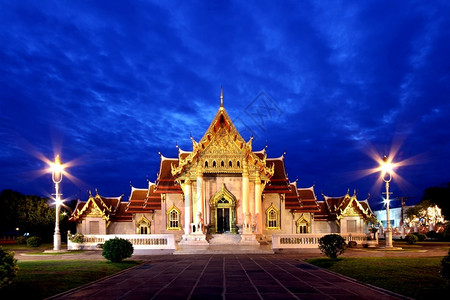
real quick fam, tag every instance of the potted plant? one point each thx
(77, 239)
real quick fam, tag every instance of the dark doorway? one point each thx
(223, 220)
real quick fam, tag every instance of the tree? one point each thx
(30, 214)
(424, 213)
(439, 196)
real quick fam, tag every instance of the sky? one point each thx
(333, 84)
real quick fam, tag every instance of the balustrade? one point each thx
(142, 242)
(298, 241)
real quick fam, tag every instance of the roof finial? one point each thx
(221, 96)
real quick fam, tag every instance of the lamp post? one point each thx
(57, 175)
(386, 174)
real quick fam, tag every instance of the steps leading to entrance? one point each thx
(224, 239)
(224, 249)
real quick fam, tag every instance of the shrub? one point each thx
(352, 244)
(77, 238)
(8, 267)
(445, 263)
(332, 245)
(422, 237)
(21, 240)
(117, 249)
(433, 235)
(34, 241)
(446, 232)
(411, 238)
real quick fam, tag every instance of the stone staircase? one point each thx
(226, 243)
(224, 239)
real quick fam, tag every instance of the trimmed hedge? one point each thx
(117, 249)
(422, 237)
(332, 245)
(352, 244)
(21, 240)
(34, 241)
(411, 238)
(8, 267)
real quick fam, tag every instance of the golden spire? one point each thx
(221, 96)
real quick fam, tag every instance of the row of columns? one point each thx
(251, 209)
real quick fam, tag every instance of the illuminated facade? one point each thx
(221, 187)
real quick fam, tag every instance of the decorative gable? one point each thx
(221, 150)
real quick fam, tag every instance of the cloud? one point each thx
(115, 83)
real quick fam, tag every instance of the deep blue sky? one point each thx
(110, 84)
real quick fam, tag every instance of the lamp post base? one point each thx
(57, 242)
(388, 236)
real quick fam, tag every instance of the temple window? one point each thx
(272, 216)
(238, 164)
(173, 218)
(222, 164)
(230, 164)
(143, 229)
(206, 164)
(302, 225)
(143, 226)
(214, 164)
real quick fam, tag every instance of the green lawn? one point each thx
(418, 278)
(41, 279)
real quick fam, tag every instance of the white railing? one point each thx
(299, 241)
(139, 241)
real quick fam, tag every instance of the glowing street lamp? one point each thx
(386, 175)
(57, 175)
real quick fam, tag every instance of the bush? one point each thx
(446, 232)
(352, 244)
(445, 263)
(34, 241)
(332, 245)
(433, 235)
(422, 237)
(21, 240)
(8, 267)
(411, 238)
(117, 249)
(77, 238)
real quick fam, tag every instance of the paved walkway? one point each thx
(227, 276)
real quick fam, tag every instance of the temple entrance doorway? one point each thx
(223, 217)
(223, 212)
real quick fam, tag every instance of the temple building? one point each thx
(222, 186)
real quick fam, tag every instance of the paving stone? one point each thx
(226, 277)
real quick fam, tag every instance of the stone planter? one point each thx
(370, 244)
(76, 246)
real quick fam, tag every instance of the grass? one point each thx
(42, 279)
(25, 247)
(418, 278)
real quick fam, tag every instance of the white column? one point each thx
(164, 213)
(258, 212)
(199, 215)
(187, 206)
(245, 204)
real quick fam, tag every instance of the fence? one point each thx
(139, 241)
(302, 241)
